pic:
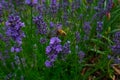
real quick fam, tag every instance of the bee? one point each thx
(61, 32)
(57, 31)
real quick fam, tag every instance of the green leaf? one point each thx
(97, 51)
(116, 30)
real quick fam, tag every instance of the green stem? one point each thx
(31, 18)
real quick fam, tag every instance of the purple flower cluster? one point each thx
(117, 37)
(87, 28)
(43, 40)
(116, 47)
(115, 59)
(13, 31)
(41, 25)
(77, 37)
(1, 12)
(53, 7)
(81, 55)
(31, 2)
(75, 5)
(109, 5)
(100, 11)
(64, 5)
(53, 50)
(52, 25)
(99, 28)
(41, 9)
(66, 48)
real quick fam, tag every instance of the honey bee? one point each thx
(61, 32)
(56, 32)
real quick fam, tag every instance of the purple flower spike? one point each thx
(53, 50)
(54, 40)
(14, 32)
(31, 2)
(41, 25)
(87, 28)
(81, 55)
(53, 7)
(48, 63)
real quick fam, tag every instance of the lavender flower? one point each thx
(77, 37)
(1, 12)
(23, 60)
(17, 60)
(55, 40)
(31, 2)
(66, 48)
(116, 47)
(81, 55)
(100, 4)
(8, 76)
(13, 31)
(80, 17)
(53, 50)
(109, 5)
(41, 25)
(43, 40)
(52, 24)
(16, 49)
(48, 63)
(87, 28)
(117, 37)
(116, 60)
(75, 5)
(100, 11)
(4, 4)
(53, 7)
(64, 5)
(41, 9)
(116, 53)
(65, 16)
(99, 28)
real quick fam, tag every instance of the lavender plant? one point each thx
(89, 48)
